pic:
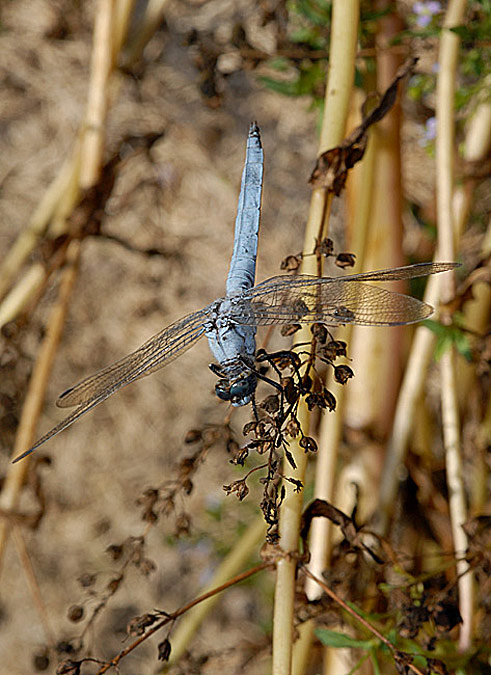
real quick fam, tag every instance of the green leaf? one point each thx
(447, 337)
(332, 638)
(462, 31)
(285, 88)
(375, 663)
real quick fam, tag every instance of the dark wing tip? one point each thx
(445, 266)
(24, 454)
(62, 401)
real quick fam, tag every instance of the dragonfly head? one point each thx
(238, 391)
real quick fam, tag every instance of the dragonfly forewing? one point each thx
(336, 300)
(154, 354)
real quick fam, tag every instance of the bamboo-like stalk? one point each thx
(378, 353)
(445, 143)
(98, 97)
(331, 425)
(410, 394)
(241, 552)
(32, 582)
(477, 146)
(344, 27)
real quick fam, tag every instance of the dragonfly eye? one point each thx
(223, 390)
(241, 390)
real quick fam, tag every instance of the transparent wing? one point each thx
(334, 301)
(154, 354)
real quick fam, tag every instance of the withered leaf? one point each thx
(342, 374)
(271, 403)
(289, 329)
(344, 260)
(164, 650)
(291, 262)
(331, 170)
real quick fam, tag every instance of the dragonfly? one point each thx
(229, 323)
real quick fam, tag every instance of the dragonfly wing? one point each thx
(154, 354)
(404, 273)
(333, 301)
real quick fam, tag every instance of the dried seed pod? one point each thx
(342, 374)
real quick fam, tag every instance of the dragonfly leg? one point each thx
(290, 356)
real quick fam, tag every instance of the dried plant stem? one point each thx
(372, 393)
(98, 95)
(332, 423)
(409, 397)
(344, 26)
(21, 293)
(23, 554)
(445, 144)
(169, 618)
(112, 17)
(121, 20)
(239, 555)
(36, 227)
(14, 480)
(149, 23)
(477, 146)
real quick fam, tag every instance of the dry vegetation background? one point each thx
(179, 198)
(183, 202)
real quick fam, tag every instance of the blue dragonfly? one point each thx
(230, 323)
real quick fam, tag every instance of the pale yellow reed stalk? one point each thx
(344, 31)
(445, 149)
(149, 23)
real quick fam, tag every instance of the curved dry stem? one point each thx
(360, 619)
(344, 27)
(244, 548)
(410, 394)
(32, 582)
(445, 148)
(171, 617)
(63, 193)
